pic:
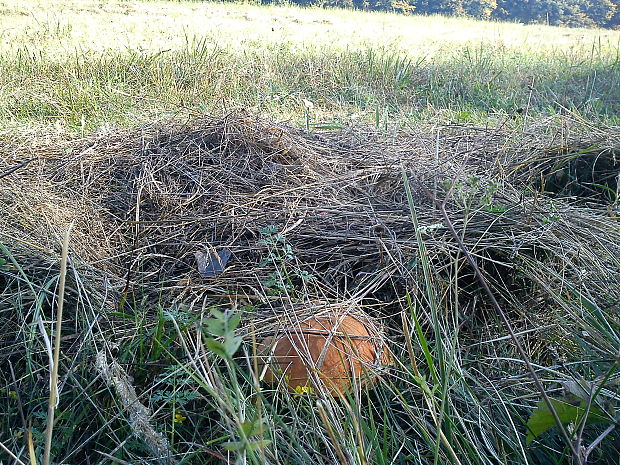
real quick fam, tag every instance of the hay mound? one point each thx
(328, 208)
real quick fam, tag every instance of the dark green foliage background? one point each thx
(575, 13)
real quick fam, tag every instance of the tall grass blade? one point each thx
(53, 397)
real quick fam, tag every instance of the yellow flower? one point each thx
(304, 390)
(178, 418)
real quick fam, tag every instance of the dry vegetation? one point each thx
(157, 358)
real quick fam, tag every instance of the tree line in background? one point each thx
(576, 13)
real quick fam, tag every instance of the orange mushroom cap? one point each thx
(331, 350)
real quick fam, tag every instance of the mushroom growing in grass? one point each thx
(331, 351)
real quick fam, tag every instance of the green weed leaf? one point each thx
(542, 419)
(216, 327)
(216, 347)
(233, 322)
(231, 345)
(237, 446)
(225, 349)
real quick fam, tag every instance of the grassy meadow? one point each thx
(82, 64)
(318, 146)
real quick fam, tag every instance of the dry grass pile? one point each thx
(333, 204)
(308, 217)
(330, 207)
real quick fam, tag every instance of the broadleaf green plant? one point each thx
(569, 413)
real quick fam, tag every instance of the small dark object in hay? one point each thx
(213, 262)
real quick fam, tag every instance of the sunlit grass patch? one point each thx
(81, 66)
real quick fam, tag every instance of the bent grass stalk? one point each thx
(427, 278)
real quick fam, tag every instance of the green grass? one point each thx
(78, 65)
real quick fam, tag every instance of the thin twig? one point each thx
(18, 397)
(15, 168)
(330, 432)
(597, 441)
(11, 454)
(31, 452)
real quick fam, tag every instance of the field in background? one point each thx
(79, 64)
(102, 122)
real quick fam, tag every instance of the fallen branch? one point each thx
(139, 415)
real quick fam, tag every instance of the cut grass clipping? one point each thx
(192, 242)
